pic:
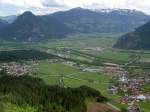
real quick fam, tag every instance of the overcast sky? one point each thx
(10, 7)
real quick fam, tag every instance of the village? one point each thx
(131, 90)
(15, 69)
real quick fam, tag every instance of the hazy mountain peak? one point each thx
(27, 13)
(26, 18)
(80, 9)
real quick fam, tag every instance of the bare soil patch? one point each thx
(100, 107)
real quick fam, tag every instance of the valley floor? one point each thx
(84, 61)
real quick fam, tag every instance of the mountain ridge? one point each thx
(29, 27)
(10, 19)
(139, 39)
(87, 21)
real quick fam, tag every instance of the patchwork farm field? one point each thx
(73, 77)
(80, 42)
(114, 55)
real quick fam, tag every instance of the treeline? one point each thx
(17, 55)
(34, 92)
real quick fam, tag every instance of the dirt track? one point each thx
(98, 107)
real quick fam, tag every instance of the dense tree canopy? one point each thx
(34, 92)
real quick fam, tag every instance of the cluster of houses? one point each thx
(133, 108)
(133, 91)
(97, 49)
(129, 98)
(82, 67)
(112, 70)
(70, 63)
(112, 90)
(16, 69)
(132, 88)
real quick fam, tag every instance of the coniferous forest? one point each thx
(26, 90)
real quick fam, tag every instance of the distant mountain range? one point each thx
(28, 27)
(3, 24)
(139, 39)
(105, 21)
(9, 19)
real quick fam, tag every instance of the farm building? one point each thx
(112, 90)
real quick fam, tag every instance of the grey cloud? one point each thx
(51, 3)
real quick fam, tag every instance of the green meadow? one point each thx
(73, 77)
